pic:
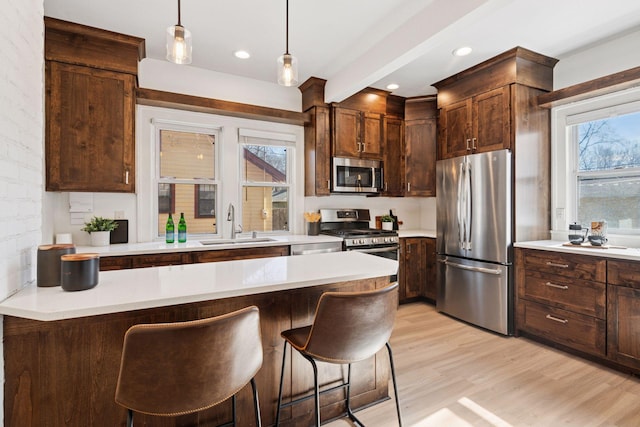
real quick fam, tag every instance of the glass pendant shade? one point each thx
(179, 48)
(287, 70)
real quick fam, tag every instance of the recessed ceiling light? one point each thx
(462, 51)
(242, 54)
(393, 86)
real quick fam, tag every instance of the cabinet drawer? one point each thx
(159, 260)
(584, 333)
(624, 273)
(575, 295)
(115, 263)
(568, 265)
(233, 254)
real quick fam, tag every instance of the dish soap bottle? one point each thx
(169, 230)
(182, 229)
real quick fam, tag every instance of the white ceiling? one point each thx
(359, 43)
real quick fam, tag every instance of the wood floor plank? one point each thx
(453, 374)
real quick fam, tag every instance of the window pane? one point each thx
(186, 155)
(611, 143)
(165, 198)
(265, 208)
(262, 163)
(614, 199)
(184, 201)
(205, 199)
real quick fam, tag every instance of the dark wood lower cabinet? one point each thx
(417, 270)
(63, 373)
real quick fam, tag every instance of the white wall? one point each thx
(21, 145)
(605, 58)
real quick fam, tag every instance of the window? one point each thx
(608, 171)
(265, 164)
(186, 176)
(597, 163)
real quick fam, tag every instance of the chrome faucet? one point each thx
(231, 216)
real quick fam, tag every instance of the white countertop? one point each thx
(417, 233)
(135, 289)
(195, 245)
(556, 246)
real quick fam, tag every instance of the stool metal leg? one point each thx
(395, 384)
(129, 418)
(350, 413)
(256, 402)
(284, 358)
(315, 387)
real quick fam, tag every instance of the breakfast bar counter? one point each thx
(62, 349)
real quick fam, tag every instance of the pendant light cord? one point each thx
(179, 13)
(287, 32)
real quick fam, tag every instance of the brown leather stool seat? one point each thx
(348, 327)
(172, 369)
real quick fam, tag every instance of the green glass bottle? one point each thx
(182, 229)
(170, 230)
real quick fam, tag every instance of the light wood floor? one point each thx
(451, 374)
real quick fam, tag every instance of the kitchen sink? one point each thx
(245, 241)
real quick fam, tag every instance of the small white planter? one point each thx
(387, 225)
(100, 238)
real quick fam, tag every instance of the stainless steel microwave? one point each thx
(356, 175)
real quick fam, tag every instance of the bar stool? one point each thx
(172, 369)
(348, 327)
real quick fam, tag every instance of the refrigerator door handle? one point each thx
(496, 271)
(468, 206)
(460, 209)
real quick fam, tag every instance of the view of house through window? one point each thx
(187, 179)
(265, 187)
(608, 171)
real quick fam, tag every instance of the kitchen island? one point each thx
(62, 349)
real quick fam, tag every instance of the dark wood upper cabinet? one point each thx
(90, 108)
(393, 164)
(420, 147)
(357, 133)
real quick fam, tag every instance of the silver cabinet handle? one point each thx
(386, 187)
(359, 147)
(553, 264)
(556, 319)
(126, 177)
(408, 187)
(364, 147)
(473, 143)
(553, 285)
(468, 147)
(328, 185)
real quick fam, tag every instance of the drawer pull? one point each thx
(553, 264)
(553, 285)
(556, 319)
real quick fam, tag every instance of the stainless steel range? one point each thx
(353, 226)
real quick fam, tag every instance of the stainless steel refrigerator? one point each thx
(474, 239)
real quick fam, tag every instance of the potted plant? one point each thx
(387, 222)
(100, 230)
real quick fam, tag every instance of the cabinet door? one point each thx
(430, 269)
(346, 132)
(491, 120)
(623, 328)
(317, 153)
(420, 161)
(90, 140)
(455, 121)
(412, 273)
(372, 136)
(393, 166)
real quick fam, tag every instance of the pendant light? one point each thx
(179, 43)
(287, 63)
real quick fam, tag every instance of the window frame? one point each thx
(159, 125)
(564, 157)
(251, 137)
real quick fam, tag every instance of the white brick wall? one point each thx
(21, 141)
(21, 145)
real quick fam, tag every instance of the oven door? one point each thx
(390, 252)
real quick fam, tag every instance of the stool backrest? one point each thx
(171, 369)
(352, 326)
